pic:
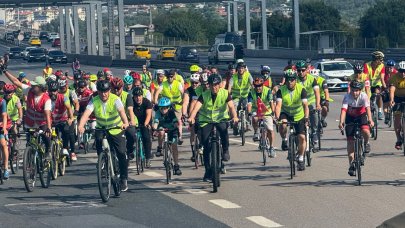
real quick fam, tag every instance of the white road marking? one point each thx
(224, 204)
(263, 221)
(195, 191)
(152, 174)
(235, 140)
(402, 174)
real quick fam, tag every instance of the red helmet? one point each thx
(8, 88)
(136, 75)
(86, 76)
(58, 73)
(105, 70)
(117, 83)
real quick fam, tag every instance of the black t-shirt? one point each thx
(140, 110)
(129, 101)
(191, 93)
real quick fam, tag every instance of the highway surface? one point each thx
(251, 195)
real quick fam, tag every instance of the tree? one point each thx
(318, 16)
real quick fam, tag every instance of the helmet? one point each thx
(22, 75)
(377, 55)
(301, 64)
(9, 88)
(401, 65)
(358, 67)
(82, 84)
(194, 68)
(160, 71)
(52, 77)
(288, 74)
(62, 77)
(195, 78)
(164, 102)
(58, 73)
(241, 64)
(100, 74)
(136, 75)
(117, 83)
(77, 76)
(137, 91)
(356, 84)
(240, 61)
(231, 67)
(266, 69)
(128, 80)
(86, 76)
(62, 83)
(93, 77)
(127, 72)
(314, 72)
(258, 81)
(204, 77)
(105, 70)
(214, 79)
(53, 86)
(390, 63)
(103, 85)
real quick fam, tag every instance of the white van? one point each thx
(224, 52)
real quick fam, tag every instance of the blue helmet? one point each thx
(390, 62)
(22, 75)
(266, 69)
(128, 80)
(164, 102)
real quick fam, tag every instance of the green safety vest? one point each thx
(111, 118)
(267, 103)
(123, 97)
(12, 109)
(147, 79)
(309, 88)
(240, 89)
(214, 112)
(320, 81)
(174, 94)
(199, 90)
(375, 78)
(292, 104)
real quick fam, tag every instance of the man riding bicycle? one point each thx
(324, 93)
(397, 96)
(389, 71)
(146, 77)
(14, 106)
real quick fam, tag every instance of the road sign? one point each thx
(20, 37)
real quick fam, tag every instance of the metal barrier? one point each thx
(130, 63)
(94, 60)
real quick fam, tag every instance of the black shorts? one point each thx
(362, 120)
(299, 127)
(385, 96)
(397, 107)
(373, 88)
(173, 135)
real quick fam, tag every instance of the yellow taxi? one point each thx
(142, 53)
(34, 41)
(166, 53)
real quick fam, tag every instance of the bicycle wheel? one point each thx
(291, 155)
(141, 154)
(263, 147)
(62, 165)
(45, 170)
(242, 128)
(167, 163)
(86, 138)
(309, 151)
(137, 159)
(214, 166)
(55, 159)
(357, 157)
(319, 133)
(104, 177)
(14, 158)
(115, 177)
(375, 128)
(29, 168)
(390, 116)
(403, 133)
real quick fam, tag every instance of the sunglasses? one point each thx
(170, 76)
(194, 83)
(301, 70)
(164, 108)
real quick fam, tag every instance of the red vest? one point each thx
(35, 112)
(8, 118)
(84, 97)
(59, 110)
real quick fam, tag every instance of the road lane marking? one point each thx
(152, 174)
(224, 204)
(402, 174)
(263, 221)
(195, 191)
(235, 140)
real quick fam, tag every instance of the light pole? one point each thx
(297, 24)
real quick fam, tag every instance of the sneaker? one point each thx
(73, 156)
(324, 124)
(159, 152)
(272, 152)
(380, 116)
(367, 148)
(386, 120)
(6, 175)
(352, 170)
(148, 163)
(207, 176)
(131, 156)
(124, 185)
(65, 152)
(176, 170)
(255, 137)
(301, 165)
(284, 145)
(180, 142)
(226, 156)
(398, 145)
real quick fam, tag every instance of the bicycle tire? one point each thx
(55, 159)
(242, 128)
(214, 167)
(263, 148)
(141, 154)
(310, 150)
(375, 128)
(291, 152)
(403, 133)
(14, 158)
(1, 176)
(195, 156)
(104, 175)
(319, 133)
(167, 163)
(86, 139)
(62, 166)
(29, 168)
(115, 177)
(45, 171)
(358, 155)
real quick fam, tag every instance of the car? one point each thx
(26, 51)
(188, 54)
(34, 41)
(56, 42)
(142, 53)
(166, 53)
(43, 35)
(9, 36)
(336, 72)
(37, 54)
(53, 36)
(15, 52)
(56, 56)
(222, 52)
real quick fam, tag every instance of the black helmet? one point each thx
(214, 79)
(100, 74)
(53, 86)
(241, 64)
(356, 84)
(77, 76)
(231, 67)
(137, 92)
(103, 85)
(81, 84)
(358, 67)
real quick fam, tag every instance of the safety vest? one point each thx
(214, 112)
(240, 89)
(35, 114)
(199, 90)
(147, 79)
(268, 83)
(173, 93)
(309, 81)
(375, 79)
(111, 117)
(48, 72)
(12, 109)
(291, 101)
(264, 99)
(59, 110)
(363, 78)
(320, 81)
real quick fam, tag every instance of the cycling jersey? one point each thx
(355, 107)
(84, 98)
(388, 75)
(399, 83)
(12, 107)
(168, 121)
(4, 110)
(240, 85)
(259, 99)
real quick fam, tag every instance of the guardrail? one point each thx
(93, 60)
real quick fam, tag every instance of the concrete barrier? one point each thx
(94, 60)
(130, 63)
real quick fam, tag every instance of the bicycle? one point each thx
(402, 106)
(264, 143)
(319, 131)
(216, 163)
(374, 114)
(1, 169)
(87, 136)
(139, 153)
(34, 161)
(167, 155)
(196, 150)
(56, 147)
(390, 116)
(242, 117)
(108, 172)
(14, 154)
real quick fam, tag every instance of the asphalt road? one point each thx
(251, 195)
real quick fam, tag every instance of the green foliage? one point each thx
(318, 16)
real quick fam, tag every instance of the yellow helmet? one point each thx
(194, 68)
(93, 77)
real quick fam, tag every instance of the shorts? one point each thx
(178, 114)
(299, 126)
(268, 123)
(362, 120)
(173, 135)
(397, 109)
(373, 88)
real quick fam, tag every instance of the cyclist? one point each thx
(358, 75)
(165, 118)
(173, 90)
(260, 101)
(213, 106)
(93, 79)
(228, 75)
(324, 94)
(194, 69)
(5, 124)
(146, 77)
(14, 107)
(397, 96)
(356, 109)
(239, 88)
(47, 71)
(62, 114)
(84, 95)
(75, 65)
(90, 85)
(143, 112)
(146, 92)
(265, 72)
(292, 105)
(313, 96)
(128, 83)
(375, 71)
(389, 71)
(160, 78)
(110, 113)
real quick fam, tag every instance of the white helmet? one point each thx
(401, 65)
(160, 71)
(314, 72)
(127, 72)
(204, 77)
(195, 78)
(52, 77)
(239, 61)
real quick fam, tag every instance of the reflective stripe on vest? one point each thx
(173, 93)
(375, 78)
(214, 112)
(111, 117)
(292, 103)
(309, 88)
(35, 114)
(264, 97)
(59, 111)
(240, 89)
(12, 109)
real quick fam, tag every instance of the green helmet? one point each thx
(301, 64)
(290, 74)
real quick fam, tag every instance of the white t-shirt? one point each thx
(117, 103)
(48, 104)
